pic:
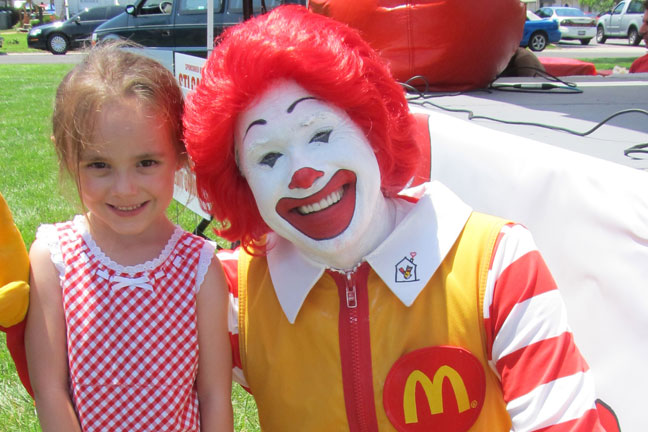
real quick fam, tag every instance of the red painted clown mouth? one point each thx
(325, 214)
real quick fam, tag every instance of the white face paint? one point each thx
(313, 174)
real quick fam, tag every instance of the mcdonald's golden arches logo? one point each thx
(435, 388)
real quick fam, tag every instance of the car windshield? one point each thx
(532, 17)
(78, 14)
(569, 12)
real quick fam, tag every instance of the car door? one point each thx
(633, 15)
(151, 23)
(86, 22)
(615, 19)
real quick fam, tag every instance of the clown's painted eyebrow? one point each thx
(255, 122)
(290, 109)
(292, 106)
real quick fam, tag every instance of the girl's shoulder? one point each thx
(50, 237)
(190, 238)
(190, 243)
(51, 231)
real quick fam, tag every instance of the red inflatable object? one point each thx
(562, 67)
(455, 44)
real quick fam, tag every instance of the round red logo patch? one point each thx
(435, 388)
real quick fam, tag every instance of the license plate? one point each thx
(581, 32)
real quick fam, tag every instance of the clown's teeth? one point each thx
(322, 204)
(129, 208)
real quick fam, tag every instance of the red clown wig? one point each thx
(325, 57)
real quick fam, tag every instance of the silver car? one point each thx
(574, 24)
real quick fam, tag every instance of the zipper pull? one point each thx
(351, 297)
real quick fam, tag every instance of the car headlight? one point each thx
(34, 32)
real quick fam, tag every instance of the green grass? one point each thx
(29, 182)
(608, 63)
(15, 41)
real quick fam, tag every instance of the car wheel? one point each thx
(600, 35)
(585, 41)
(57, 44)
(633, 37)
(537, 41)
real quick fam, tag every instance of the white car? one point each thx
(573, 22)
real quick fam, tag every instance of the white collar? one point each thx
(425, 234)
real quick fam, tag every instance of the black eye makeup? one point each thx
(270, 159)
(322, 136)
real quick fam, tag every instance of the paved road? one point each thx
(40, 58)
(612, 48)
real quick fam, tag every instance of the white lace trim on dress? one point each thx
(207, 252)
(148, 266)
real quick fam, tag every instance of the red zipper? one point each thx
(355, 349)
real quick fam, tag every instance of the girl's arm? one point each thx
(45, 344)
(215, 359)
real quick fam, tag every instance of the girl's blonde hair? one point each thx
(111, 72)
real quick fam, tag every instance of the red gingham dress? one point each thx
(132, 335)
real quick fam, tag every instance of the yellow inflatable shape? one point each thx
(14, 270)
(14, 299)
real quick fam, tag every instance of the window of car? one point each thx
(619, 8)
(236, 6)
(569, 12)
(151, 7)
(544, 13)
(198, 6)
(94, 14)
(635, 7)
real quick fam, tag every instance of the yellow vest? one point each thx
(294, 370)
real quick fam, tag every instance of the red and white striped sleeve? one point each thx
(547, 384)
(229, 261)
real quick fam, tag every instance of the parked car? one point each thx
(178, 25)
(574, 24)
(623, 21)
(539, 32)
(60, 36)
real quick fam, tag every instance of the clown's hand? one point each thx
(14, 270)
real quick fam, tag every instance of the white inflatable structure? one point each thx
(589, 218)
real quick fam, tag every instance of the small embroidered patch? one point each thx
(406, 269)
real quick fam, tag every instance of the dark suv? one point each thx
(59, 36)
(178, 25)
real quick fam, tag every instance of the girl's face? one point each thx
(126, 175)
(312, 171)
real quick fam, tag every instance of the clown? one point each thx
(362, 306)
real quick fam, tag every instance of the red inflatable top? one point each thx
(455, 45)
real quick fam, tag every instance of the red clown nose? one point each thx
(304, 178)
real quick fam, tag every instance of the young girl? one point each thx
(121, 299)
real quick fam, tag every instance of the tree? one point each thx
(599, 5)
